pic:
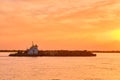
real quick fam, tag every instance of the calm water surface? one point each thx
(103, 67)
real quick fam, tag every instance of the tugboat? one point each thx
(32, 51)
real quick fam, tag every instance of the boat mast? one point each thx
(32, 43)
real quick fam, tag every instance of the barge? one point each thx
(33, 51)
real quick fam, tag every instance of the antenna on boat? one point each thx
(32, 43)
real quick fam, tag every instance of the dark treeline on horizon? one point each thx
(11, 50)
(112, 51)
(95, 51)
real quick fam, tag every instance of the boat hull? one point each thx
(59, 53)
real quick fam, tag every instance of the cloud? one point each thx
(29, 13)
(58, 20)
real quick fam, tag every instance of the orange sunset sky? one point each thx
(60, 24)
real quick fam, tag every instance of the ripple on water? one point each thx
(93, 79)
(55, 79)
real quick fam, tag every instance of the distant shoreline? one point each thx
(95, 51)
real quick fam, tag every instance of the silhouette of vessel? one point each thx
(33, 51)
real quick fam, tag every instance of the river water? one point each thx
(105, 66)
